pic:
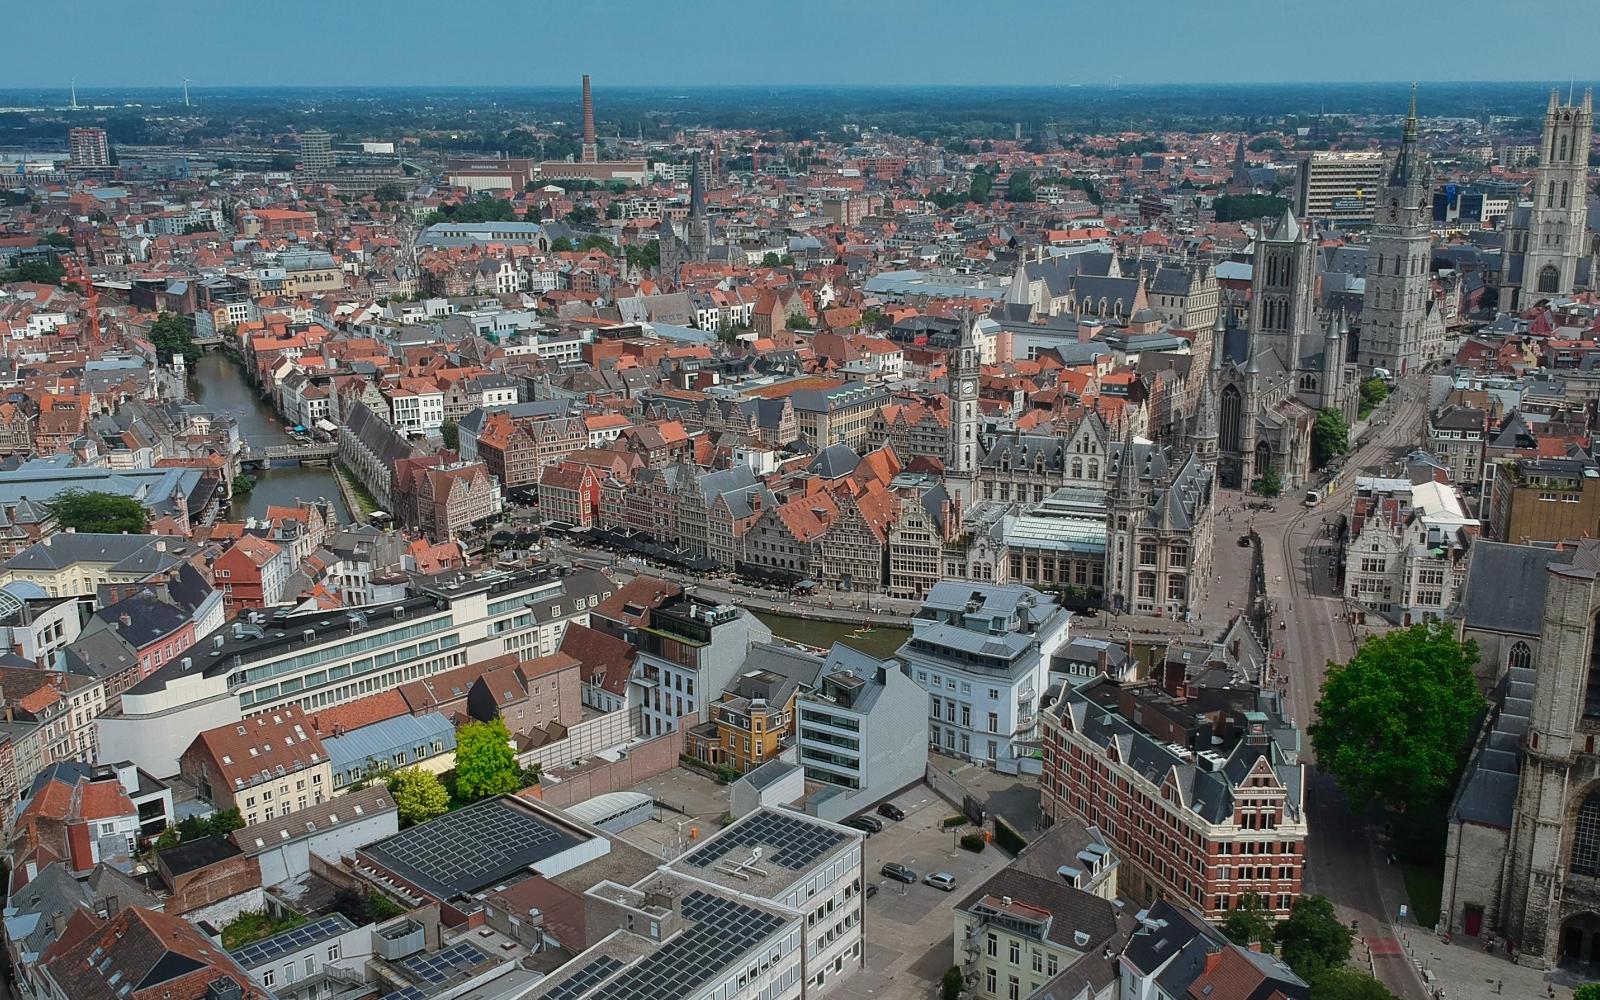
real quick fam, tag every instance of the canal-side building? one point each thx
(370, 448)
(982, 653)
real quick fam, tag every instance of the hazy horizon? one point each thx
(721, 43)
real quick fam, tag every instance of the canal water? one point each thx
(882, 641)
(217, 381)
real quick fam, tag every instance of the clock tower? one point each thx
(964, 368)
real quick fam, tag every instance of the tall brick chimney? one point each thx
(590, 150)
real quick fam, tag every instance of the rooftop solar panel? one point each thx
(440, 966)
(723, 931)
(292, 940)
(795, 841)
(584, 979)
(465, 851)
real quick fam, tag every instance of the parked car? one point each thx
(898, 872)
(872, 889)
(1244, 541)
(866, 822)
(940, 880)
(891, 811)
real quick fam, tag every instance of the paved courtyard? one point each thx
(909, 928)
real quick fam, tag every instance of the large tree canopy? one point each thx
(102, 512)
(1313, 939)
(485, 764)
(1392, 723)
(1330, 437)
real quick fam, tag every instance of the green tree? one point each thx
(1392, 723)
(1264, 143)
(1247, 923)
(171, 335)
(1270, 484)
(389, 192)
(485, 765)
(769, 259)
(418, 795)
(644, 255)
(583, 215)
(1313, 939)
(451, 434)
(475, 210)
(1347, 984)
(798, 321)
(946, 199)
(61, 240)
(43, 271)
(223, 822)
(600, 243)
(1018, 187)
(1588, 991)
(560, 245)
(1243, 207)
(281, 162)
(982, 186)
(102, 512)
(1373, 392)
(1330, 437)
(950, 985)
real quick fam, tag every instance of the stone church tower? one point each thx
(964, 368)
(698, 224)
(1548, 235)
(1283, 304)
(1552, 874)
(1395, 306)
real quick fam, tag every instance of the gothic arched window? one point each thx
(1566, 189)
(1586, 836)
(1549, 278)
(1520, 656)
(1077, 468)
(1094, 469)
(1563, 154)
(1232, 417)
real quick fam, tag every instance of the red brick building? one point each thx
(1199, 796)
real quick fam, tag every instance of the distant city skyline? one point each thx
(831, 42)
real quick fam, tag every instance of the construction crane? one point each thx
(78, 274)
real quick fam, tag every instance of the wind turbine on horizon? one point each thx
(186, 92)
(74, 87)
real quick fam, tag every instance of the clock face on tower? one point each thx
(969, 387)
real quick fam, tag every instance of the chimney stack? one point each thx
(590, 152)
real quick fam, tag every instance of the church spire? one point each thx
(1126, 486)
(1408, 166)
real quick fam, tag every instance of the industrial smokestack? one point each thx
(590, 154)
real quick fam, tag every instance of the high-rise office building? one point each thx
(1339, 187)
(591, 151)
(316, 151)
(89, 147)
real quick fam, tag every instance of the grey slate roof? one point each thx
(1505, 587)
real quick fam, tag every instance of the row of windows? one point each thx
(341, 651)
(291, 685)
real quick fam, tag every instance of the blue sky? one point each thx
(687, 42)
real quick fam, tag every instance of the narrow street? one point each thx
(1345, 862)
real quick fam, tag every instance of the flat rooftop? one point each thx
(765, 852)
(472, 849)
